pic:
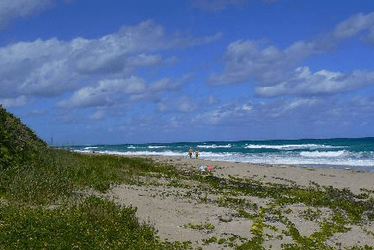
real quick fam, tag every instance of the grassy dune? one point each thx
(40, 208)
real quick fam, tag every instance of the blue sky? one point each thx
(95, 71)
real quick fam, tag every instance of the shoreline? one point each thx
(302, 175)
(364, 168)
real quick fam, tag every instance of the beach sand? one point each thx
(191, 213)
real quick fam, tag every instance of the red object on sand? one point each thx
(209, 168)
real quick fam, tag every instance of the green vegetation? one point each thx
(39, 205)
(207, 226)
(44, 201)
(18, 143)
(92, 224)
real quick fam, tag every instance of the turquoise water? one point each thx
(357, 153)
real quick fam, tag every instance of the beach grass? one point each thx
(40, 208)
(45, 200)
(92, 224)
(58, 173)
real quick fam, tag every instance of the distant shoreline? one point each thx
(355, 154)
(336, 177)
(313, 166)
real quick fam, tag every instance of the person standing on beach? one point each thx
(190, 151)
(197, 154)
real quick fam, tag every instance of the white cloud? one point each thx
(166, 84)
(111, 53)
(268, 64)
(353, 25)
(52, 67)
(304, 83)
(87, 97)
(186, 104)
(105, 92)
(129, 90)
(143, 60)
(13, 9)
(132, 85)
(247, 107)
(227, 113)
(98, 115)
(39, 67)
(248, 113)
(14, 102)
(156, 90)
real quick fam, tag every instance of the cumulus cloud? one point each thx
(268, 64)
(249, 113)
(167, 84)
(304, 83)
(353, 25)
(225, 114)
(156, 89)
(133, 89)
(105, 92)
(30, 67)
(257, 59)
(52, 67)
(10, 10)
(13, 9)
(218, 5)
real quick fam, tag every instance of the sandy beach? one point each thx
(190, 212)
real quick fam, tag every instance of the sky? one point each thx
(115, 72)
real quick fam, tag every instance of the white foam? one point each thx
(156, 147)
(87, 148)
(290, 146)
(214, 146)
(333, 158)
(327, 154)
(276, 159)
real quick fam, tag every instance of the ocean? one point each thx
(352, 153)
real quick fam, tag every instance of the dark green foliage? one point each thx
(18, 144)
